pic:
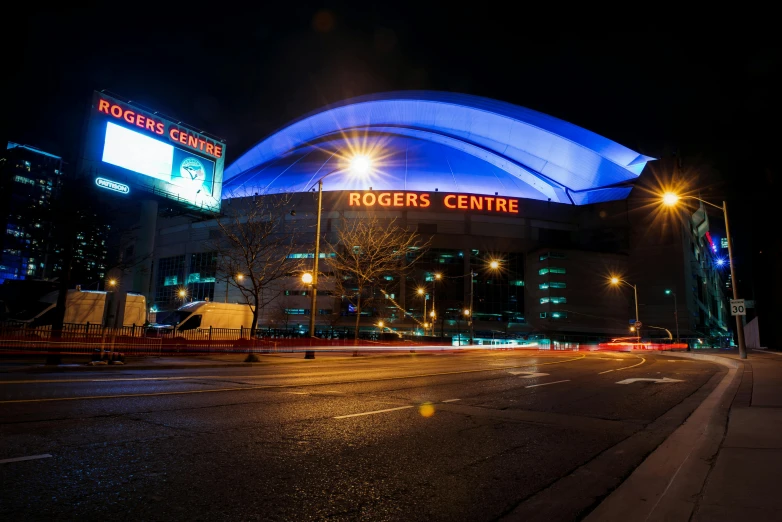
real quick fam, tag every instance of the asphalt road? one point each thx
(466, 436)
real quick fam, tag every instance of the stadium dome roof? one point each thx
(427, 141)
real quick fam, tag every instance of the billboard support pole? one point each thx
(145, 245)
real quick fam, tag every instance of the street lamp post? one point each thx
(360, 165)
(676, 314)
(437, 277)
(422, 292)
(616, 281)
(670, 200)
(472, 330)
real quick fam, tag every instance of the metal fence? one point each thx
(87, 339)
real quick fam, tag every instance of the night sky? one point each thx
(705, 89)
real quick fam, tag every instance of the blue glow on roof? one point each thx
(440, 141)
(12, 145)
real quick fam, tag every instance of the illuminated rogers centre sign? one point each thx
(493, 204)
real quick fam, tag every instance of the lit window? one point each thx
(544, 300)
(543, 286)
(556, 284)
(551, 270)
(543, 315)
(558, 300)
(559, 315)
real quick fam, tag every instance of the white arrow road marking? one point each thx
(527, 375)
(647, 379)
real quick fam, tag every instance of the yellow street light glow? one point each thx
(466, 312)
(360, 164)
(494, 264)
(112, 282)
(182, 293)
(306, 278)
(426, 325)
(614, 280)
(632, 328)
(239, 277)
(420, 291)
(380, 324)
(670, 199)
(431, 314)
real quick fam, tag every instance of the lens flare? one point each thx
(426, 409)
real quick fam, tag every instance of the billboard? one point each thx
(133, 151)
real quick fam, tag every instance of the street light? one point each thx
(112, 283)
(670, 199)
(422, 292)
(437, 277)
(360, 165)
(675, 313)
(615, 281)
(237, 277)
(182, 295)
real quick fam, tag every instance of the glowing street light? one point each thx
(616, 281)
(359, 165)
(112, 283)
(237, 278)
(306, 278)
(670, 199)
(668, 291)
(422, 292)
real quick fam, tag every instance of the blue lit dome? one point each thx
(435, 141)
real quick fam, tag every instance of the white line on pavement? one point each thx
(374, 412)
(20, 459)
(624, 368)
(451, 400)
(546, 383)
(766, 351)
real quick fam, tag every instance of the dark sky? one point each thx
(652, 79)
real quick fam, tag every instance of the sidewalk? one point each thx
(36, 364)
(724, 463)
(744, 481)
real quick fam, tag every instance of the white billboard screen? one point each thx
(137, 152)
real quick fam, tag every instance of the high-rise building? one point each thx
(32, 246)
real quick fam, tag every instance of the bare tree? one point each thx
(366, 250)
(253, 252)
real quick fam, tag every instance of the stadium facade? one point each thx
(485, 180)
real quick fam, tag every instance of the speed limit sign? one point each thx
(737, 307)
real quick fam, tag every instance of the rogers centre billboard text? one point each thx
(422, 200)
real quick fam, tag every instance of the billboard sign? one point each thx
(132, 150)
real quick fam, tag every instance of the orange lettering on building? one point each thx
(384, 199)
(448, 201)
(424, 200)
(369, 199)
(489, 201)
(173, 133)
(501, 204)
(513, 206)
(462, 201)
(476, 203)
(399, 199)
(103, 106)
(192, 141)
(411, 199)
(354, 199)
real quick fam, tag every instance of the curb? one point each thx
(666, 484)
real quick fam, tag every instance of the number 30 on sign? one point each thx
(737, 307)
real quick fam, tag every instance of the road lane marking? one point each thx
(546, 383)
(374, 412)
(277, 386)
(527, 375)
(648, 379)
(624, 368)
(298, 393)
(451, 400)
(20, 459)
